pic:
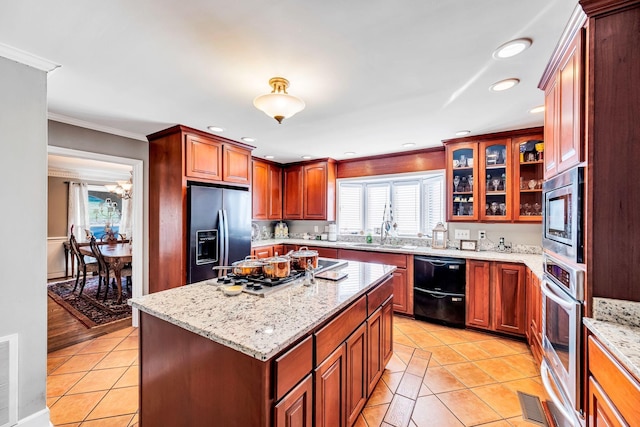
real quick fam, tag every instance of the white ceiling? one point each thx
(374, 74)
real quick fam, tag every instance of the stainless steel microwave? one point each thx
(563, 215)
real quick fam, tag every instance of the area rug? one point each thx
(86, 308)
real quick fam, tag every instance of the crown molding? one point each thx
(88, 175)
(597, 7)
(93, 126)
(27, 58)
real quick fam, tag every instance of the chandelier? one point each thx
(279, 104)
(122, 189)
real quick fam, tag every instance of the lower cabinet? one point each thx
(350, 351)
(262, 252)
(534, 315)
(496, 296)
(296, 408)
(613, 394)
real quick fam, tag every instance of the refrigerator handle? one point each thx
(221, 237)
(226, 237)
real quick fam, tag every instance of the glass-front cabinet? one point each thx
(528, 158)
(495, 183)
(462, 182)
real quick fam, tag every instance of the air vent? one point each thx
(532, 409)
(8, 380)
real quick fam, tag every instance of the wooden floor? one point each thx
(64, 330)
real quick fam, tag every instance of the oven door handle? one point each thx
(544, 371)
(548, 292)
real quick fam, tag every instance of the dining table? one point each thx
(116, 255)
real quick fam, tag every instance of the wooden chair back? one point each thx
(97, 254)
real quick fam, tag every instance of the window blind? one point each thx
(377, 198)
(406, 207)
(350, 211)
(433, 191)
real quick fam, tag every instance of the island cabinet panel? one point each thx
(292, 366)
(509, 294)
(614, 394)
(329, 337)
(357, 389)
(194, 372)
(478, 294)
(375, 329)
(204, 158)
(387, 331)
(402, 277)
(330, 389)
(296, 409)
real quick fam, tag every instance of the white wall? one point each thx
(23, 170)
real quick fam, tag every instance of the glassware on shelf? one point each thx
(463, 161)
(503, 208)
(464, 182)
(470, 178)
(494, 208)
(495, 182)
(456, 182)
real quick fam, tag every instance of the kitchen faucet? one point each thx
(387, 224)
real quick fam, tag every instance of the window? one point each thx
(415, 202)
(104, 208)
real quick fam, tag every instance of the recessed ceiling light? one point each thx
(268, 156)
(409, 144)
(215, 128)
(306, 157)
(248, 139)
(349, 153)
(504, 85)
(538, 109)
(512, 48)
(463, 132)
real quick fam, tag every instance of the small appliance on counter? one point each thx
(333, 232)
(281, 231)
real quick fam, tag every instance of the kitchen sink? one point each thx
(376, 245)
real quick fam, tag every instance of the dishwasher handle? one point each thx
(438, 261)
(437, 294)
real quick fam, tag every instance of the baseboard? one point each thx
(39, 419)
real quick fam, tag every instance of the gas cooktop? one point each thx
(262, 286)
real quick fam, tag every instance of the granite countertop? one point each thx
(533, 261)
(616, 324)
(257, 326)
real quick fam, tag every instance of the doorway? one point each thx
(135, 166)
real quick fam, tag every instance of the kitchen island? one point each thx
(207, 359)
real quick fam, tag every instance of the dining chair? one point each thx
(105, 273)
(91, 266)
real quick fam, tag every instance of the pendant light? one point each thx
(279, 104)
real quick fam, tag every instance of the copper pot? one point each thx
(247, 267)
(301, 258)
(276, 267)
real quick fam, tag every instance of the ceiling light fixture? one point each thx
(512, 48)
(349, 153)
(279, 104)
(538, 109)
(409, 144)
(122, 188)
(269, 156)
(306, 157)
(504, 85)
(248, 139)
(215, 128)
(463, 132)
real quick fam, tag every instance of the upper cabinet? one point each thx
(564, 109)
(310, 191)
(266, 189)
(486, 179)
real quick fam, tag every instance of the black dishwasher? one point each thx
(438, 289)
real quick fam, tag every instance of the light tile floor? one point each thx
(437, 377)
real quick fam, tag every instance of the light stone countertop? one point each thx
(257, 326)
(533, 261)
(616, 323)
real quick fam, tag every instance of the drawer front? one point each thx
(399, 260)
(292, 366)
(376, 297)
(332, 335)
(620, 387)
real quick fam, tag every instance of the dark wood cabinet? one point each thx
(178, 155)
(296, 408)
(266, 189)
(330, 389)
(387, 332)
(402, 277)
(534, 314)
(375, 339)
(478, 294)
(528, 175)
(310, 191)
(509, 294)
(496, 296)
(483, 178)
(602, 413)
(293, 193)
(357, 386)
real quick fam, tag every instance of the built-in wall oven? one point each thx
(562, 307)
(562, 214)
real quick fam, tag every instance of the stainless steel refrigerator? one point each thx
(219, 229)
